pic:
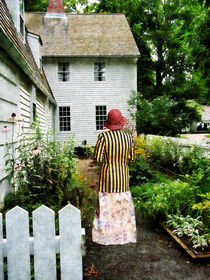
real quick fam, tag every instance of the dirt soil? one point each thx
(155, 256)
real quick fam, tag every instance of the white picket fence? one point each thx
(44, 245)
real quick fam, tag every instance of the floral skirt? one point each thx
(115, 223)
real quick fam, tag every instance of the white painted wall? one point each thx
(9, 103)
(82, 93)
(17, 94)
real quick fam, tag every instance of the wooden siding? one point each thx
(82, 93)
(16, 96)
(25, 110)
(41, 114)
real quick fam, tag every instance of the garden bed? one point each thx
(185, 244)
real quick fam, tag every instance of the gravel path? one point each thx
(155, 257)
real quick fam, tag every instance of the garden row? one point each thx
(182, 203)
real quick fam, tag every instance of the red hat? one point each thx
(115, 120)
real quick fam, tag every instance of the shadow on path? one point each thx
(155, 257)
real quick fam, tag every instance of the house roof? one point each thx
(83, 34)
(20, 52)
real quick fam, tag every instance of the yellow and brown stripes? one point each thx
(99, 149)
(115, 148)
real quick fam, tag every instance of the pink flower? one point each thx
(36, 151)
(5, 129)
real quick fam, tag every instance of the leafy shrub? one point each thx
(203, 207)
(84, 152)
(193, 159)
(159, 199)
(164, 152)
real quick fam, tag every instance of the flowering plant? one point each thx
(140, 147)
(140, 170)
(45, 173)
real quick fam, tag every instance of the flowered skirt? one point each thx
(115, 223)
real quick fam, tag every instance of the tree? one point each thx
(200, 52)
(162, 115)
(36, 5)
(161, 29)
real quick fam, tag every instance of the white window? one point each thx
(63, 72)
(101, 116)
(64, 118)
(99, 71)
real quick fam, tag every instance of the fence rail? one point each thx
(44, 245)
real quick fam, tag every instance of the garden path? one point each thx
(155, 257)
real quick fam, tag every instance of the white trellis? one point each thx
(44, 245)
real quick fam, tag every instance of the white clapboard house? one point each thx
(67, 69)
(90, 64)
(24, 90)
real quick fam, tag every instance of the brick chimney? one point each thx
(55, 9)
(55, 6)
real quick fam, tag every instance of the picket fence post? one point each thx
(70, 242)
(18, 251)
(44, 245)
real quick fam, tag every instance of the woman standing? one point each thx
(114, 221)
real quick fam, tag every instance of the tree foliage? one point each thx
(162, 115)
(36, 5)
(170, 37)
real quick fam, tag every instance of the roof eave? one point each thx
(13, 52)
(88, 55)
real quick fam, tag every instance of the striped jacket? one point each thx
(114, 149)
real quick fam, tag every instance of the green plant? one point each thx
(164, 152)
(192, 160)
(203, 207)
(160, 198)
(191, 227)
(140, 170)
